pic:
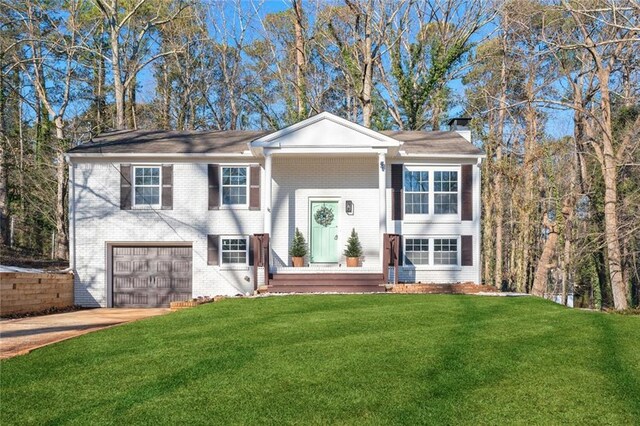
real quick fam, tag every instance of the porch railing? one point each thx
(260, 257)
(391, 256)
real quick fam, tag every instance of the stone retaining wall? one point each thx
(22, 292)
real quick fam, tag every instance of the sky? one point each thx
(559, 122)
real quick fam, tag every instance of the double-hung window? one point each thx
(416, 251)
(234, 186)
(437, 252)
(146, 184)
(416, 191)
(234, 250)
(431, 192)
(445, 192)
(445, 251)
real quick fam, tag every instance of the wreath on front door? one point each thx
(324, 216)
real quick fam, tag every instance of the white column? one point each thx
(382, 201)
(267, 194)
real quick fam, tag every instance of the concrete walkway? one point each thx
(20, 336)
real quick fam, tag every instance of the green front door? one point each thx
(324, 231)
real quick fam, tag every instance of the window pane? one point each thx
(416, 186)
(147, 195)
(417, 251)
(445, 203)
(234, 185)
(445, 251)
(445, 185)
(416, 203)
(234, 250)
(234, 195)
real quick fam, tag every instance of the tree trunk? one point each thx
(4, 205)
(497, 178)
(62, 240)
(131, 104)
(300, 60)
(98, 90)
(367, 78)
(610, 175)
(540, 279)
(165, 91)
(367, 66)
(118, 85)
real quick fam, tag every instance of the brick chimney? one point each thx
(460, 125)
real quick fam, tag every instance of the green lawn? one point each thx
(349, 359)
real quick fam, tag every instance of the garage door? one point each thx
(151, 276)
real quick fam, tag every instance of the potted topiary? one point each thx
(298, 249)
(353, 252)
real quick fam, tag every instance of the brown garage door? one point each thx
(151, 276)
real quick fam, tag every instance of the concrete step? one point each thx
(307, 288)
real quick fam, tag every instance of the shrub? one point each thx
(298, 245)
(354, 248)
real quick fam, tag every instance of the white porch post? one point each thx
(267, 194)
(382, 202)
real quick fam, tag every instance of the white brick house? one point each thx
(162, 216)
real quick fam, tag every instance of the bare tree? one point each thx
(128, 58)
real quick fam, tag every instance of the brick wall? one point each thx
(98, 221)
(22, 292)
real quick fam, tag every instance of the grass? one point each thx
(350, 359)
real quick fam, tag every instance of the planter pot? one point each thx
(353, 262)
(298, 262)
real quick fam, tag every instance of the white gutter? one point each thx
(439, 155)
(69, 157)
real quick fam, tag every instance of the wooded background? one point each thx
(552, 87)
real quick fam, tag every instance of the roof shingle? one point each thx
(237, 141)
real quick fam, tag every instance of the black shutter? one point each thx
(212, 249)
(467, 250)
(167, 187)
(125, 187)
(254, 187)
(397, 170)
(214, 186)
(467, 192)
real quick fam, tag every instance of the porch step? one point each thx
(326, 282)
(325, 289)
(326, 276)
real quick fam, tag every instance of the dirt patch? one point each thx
(49, 311)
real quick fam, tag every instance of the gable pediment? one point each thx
(325, 131)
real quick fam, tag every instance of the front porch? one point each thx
(331, 278)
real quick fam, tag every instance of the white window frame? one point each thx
(247, 186)
(432, 265)
(458, 250)
(431, 216)
(427, 192)
(133, 187)
(221, 251)
(404, 250)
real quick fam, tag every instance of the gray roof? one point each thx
(171, 142)
(439, 142)
(236, 142)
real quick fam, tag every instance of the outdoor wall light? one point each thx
(382, 166)
(348, 207)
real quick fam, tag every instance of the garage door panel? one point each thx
(151, 276)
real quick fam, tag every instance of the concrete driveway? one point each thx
(20, 336)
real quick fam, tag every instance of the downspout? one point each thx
(72, 215)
